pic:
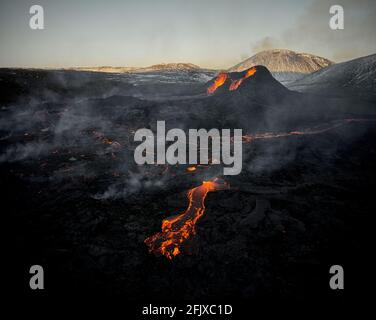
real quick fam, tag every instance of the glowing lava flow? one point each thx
(236, 83)
(309, 131)
(218, 81)
(177, 229)
(222, 77)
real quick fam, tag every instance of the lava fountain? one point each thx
(178, 229)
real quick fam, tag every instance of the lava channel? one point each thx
(218, 81)
(178, 229)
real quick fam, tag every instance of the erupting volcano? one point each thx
(235, 83)
(69, 175)
(177, 229)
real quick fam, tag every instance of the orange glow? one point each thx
(222, 77)
(235, 84)
(178, 229)
(106, 141)
(218, 81)
(310, 131)
(250, 72)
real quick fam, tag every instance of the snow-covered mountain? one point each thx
(285, 65)
(356, 77)
(282, 60)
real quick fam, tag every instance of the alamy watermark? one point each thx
(337, 279)
(337, 20)
(36, 21)
(198, 141)
(37, 280)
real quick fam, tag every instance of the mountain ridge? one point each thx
(173, 66)
(283, 60)
(353, 77)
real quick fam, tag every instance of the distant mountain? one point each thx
(282, 60)
(156, 67)
(169, 66)
(354, 77)
(108, 69)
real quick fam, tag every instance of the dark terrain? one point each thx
(80, 207)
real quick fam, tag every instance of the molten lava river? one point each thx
(177, 229)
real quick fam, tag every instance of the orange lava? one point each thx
(223, 76)
(177, 229)
(235, 84)
(272, 135)
(309, 131)
(218, 81)
(250, 72)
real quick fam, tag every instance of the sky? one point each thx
(209, 33)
